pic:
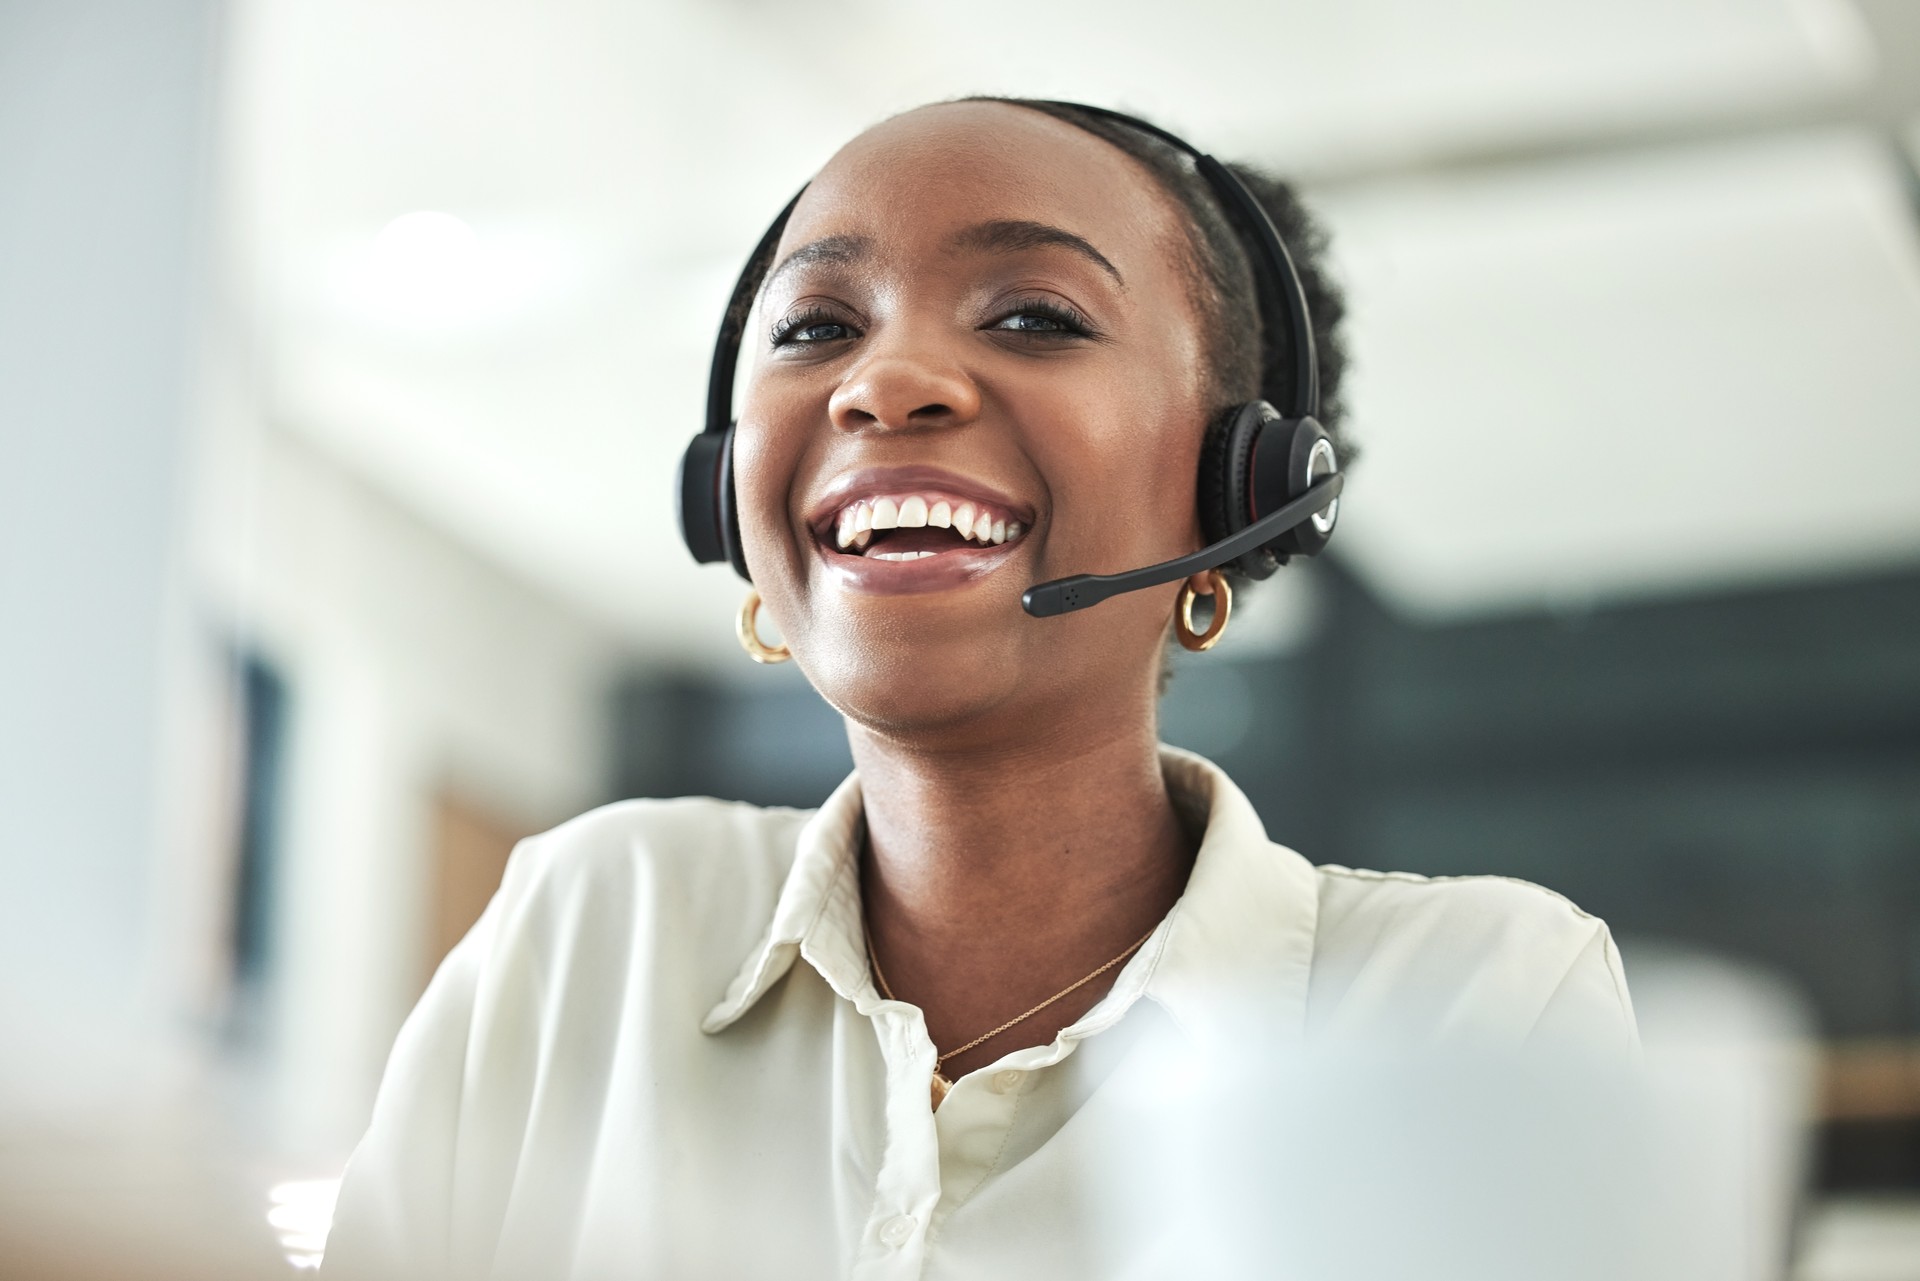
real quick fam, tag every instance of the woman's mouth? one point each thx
(912, 530)
(920, 525)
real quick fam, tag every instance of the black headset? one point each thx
(1269, 483)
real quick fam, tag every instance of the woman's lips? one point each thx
(915, 529)
(914, 559)
(923, 574)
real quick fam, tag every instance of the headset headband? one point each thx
(726, 348)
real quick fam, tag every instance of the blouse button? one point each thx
(898, 1230)
(1006, 1082)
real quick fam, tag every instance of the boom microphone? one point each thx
(1077, 591)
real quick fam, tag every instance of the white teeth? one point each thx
(914, 511)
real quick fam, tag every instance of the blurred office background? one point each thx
(347, 349)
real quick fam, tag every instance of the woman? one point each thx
(700, 1039)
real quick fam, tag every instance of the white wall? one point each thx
(103, 144)
(151, 516)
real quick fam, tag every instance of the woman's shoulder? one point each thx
(1469, 951)
(1503, 907)
(673, 878)
(684, 841)
(606, 903)
(615, 929)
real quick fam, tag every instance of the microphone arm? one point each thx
(1077, 591)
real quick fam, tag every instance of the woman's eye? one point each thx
(1042, 319)
(1028, 322)
(808, 329)
(825, 332)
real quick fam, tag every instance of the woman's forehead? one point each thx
(928, 171)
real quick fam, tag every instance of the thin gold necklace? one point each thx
(940, 1083)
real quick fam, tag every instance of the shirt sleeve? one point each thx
(1590, 1009)
(394, 1214)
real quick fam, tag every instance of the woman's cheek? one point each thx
(1130, 484)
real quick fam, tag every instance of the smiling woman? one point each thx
(991, 345)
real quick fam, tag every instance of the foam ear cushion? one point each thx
(729, 512)
(1226, 476)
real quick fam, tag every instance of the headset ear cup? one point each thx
(1226, 481)
(709, 524)
(701, 474)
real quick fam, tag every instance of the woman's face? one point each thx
(978, 314)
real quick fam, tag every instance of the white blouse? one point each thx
(621, 1071)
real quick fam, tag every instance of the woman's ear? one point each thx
(1201, 584)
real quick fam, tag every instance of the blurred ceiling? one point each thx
(1636, 283)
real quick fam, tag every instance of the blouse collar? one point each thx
(1231, 959)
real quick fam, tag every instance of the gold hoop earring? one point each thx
(1200, 642)
(746, 627)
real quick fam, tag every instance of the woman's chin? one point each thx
(969, 667)
(906, 689)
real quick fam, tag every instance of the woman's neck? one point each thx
(994, 879)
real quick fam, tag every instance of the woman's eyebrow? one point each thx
(840, 249)
(1015, 234)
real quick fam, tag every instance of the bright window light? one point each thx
(431, 271)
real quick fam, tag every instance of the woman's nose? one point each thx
(893, 390)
